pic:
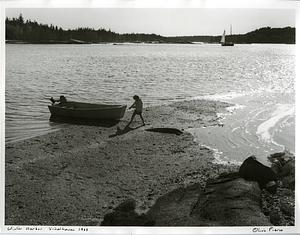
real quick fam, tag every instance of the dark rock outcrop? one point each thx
(280, 207)
(275, 217)
(175, 207)
(124, 215)
(253, 170)
(284, 165)
(231, 201)
(225, 201)
(287, 208)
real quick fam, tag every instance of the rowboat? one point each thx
(81, 110)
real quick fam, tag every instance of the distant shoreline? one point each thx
(83, 42)
(121, 43)
(31, 31)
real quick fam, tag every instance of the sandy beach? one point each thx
(78, 174)
(81, 174)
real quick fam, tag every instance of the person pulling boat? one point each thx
(138, 109)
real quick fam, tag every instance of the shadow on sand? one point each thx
(86, 122)
(124, 131)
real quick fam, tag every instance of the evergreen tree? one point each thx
(21, 19)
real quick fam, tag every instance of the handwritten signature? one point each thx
(266, 230)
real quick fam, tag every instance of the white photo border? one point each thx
(139, 4)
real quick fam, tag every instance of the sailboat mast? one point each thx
(230, 29)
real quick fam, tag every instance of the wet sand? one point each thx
(78, 174)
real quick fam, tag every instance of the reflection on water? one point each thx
(158, 73)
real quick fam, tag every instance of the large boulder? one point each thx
(283, 164)
(253, 170)
(288, 182)
(174, 208)
(288, 169)
(226, 201)
(231, 202)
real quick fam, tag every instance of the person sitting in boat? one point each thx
(62, 100)
(138, 109)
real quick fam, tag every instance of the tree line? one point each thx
(262, 35)
(19, 30)
(31, 31)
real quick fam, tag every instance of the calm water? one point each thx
(258, 77)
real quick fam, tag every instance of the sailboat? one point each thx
(223, 40)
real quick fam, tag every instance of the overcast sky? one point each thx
(166, 22)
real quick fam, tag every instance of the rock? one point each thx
(288, 169)
(235, 202)
(124, 215)
(288, 182)
(174, 208)
(284, 165)
(126, 206)
(281, 156)
(223, 177)
(225, 201)
(277, 155)
(275, 217)
(119, 218)
(272, 187)
(286, 192)
(253, 170)
(287, 208)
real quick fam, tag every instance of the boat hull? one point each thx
(79, 110)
